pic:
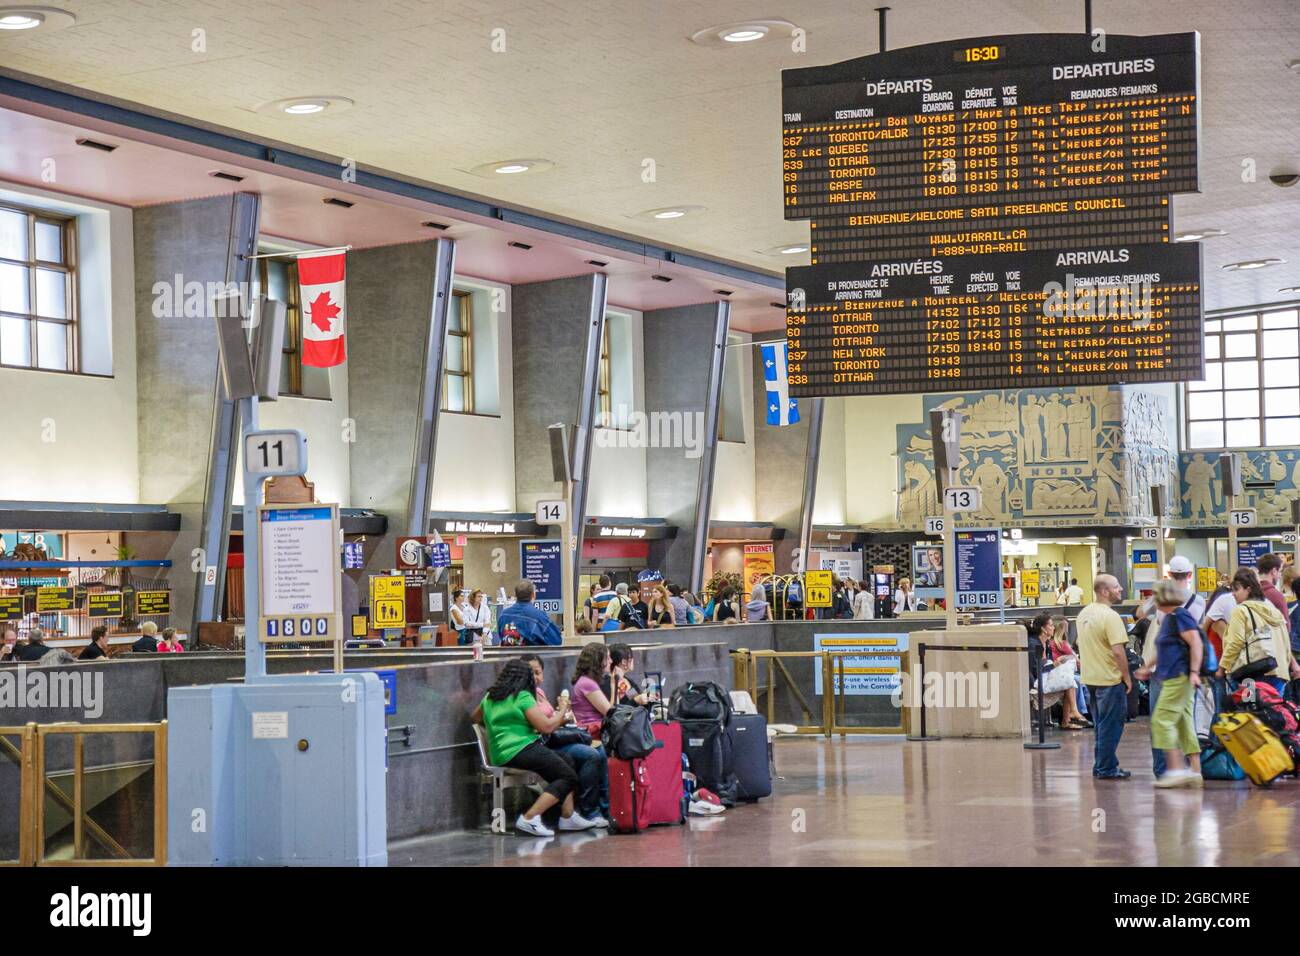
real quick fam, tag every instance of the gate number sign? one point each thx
(273, 453)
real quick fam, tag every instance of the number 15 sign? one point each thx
(272, 453)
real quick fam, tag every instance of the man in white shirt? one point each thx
(1180, 572)
(864, 605)
(1074, 593)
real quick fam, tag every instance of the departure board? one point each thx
(975, 174)
(913, 129)
(1128, 314)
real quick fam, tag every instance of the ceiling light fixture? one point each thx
(511, 167)
(1252, 264)
(305, 105)
(335, 201)
(22, 20)
(96, 144)
(435, 225)
(1289, 289)
(231, 177)
(519, 245)
(669, 213)
(1294, 65)
(1196, 235)
(597, 263)
(738, 34)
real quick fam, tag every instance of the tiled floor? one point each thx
(884, 801)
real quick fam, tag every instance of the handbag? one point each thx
(564, 736)
(1256, 666)
(1060, 678)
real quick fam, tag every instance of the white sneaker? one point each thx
(1176, 778)
(599, 822)
(576, 822)
(703, 808)
(535, 826)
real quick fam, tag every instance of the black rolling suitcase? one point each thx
(708, 750)
(748, 736)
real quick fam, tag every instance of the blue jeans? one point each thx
(1153, 696)
(1109, 706)
(593, 777)
(1080, 695)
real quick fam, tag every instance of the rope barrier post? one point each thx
(1042, 743)
(920, 685)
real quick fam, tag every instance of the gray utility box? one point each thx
(282, 771)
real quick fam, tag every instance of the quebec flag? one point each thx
(781, 408)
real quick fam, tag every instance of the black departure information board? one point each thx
(985, 162)
(1129, 314)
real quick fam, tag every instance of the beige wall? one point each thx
(870, 455)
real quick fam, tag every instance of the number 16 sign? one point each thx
(272, 453)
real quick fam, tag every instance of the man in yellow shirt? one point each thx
(1104, 669)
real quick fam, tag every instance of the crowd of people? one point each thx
(35, 650)
(1245, 630)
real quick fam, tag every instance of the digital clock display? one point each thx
(977, 54)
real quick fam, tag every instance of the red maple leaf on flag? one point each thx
(322, 311)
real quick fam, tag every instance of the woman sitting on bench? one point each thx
(515, 724)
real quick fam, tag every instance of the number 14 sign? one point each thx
(272, 453)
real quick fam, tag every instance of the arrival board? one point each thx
(1006, 120)
(1127, 314)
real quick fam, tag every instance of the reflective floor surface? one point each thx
(886, 802)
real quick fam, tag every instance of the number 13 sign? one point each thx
(271, 453)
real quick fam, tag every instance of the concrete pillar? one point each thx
(1114, 552)
(390, 305)
(677, 383)
(176, 362)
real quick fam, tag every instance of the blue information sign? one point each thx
(1248, 552)
(1144, 556)
(354, 557)
(440, 555)
(979, 568)
(540, 561)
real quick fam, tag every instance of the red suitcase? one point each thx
(629, 795)
(664, 766)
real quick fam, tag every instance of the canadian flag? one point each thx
(322, 294)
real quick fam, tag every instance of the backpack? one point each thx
(793, 593)
(700, 700)
(1260, 662)
(627, 733)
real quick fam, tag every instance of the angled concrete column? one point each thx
(557, 328)
(176, 355)
(391, 309)
(430, 402)
(678, 388)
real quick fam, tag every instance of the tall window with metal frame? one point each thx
(1250, 396)
(458, 360)
(279, 279)
(605, 382)
(38, 290)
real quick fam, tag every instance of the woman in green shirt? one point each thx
(515, 724)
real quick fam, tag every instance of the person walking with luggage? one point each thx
(1176, 663)
(1104, 665)
(1256, 643)
(1180, 572)
(515, 724)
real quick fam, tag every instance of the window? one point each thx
(1250, 396)
(605, 382)
(458, 360)
(38, 290)
(278, 278)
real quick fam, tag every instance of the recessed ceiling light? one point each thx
(21, 19)
(519, 245)
(96, 144)
(511, 167)
(1252, 264)
(1196, 235)
(738, 34)
(669, 213)
(597, 263)
(435, 225)
(219, 174)
(335, 201)
(305, 105)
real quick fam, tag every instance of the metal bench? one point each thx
(500, 777)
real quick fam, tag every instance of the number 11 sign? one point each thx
(272, 453)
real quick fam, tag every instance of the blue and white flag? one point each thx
(781, 408)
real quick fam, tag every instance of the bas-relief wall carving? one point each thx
(1049, 456)
(1202, 494)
